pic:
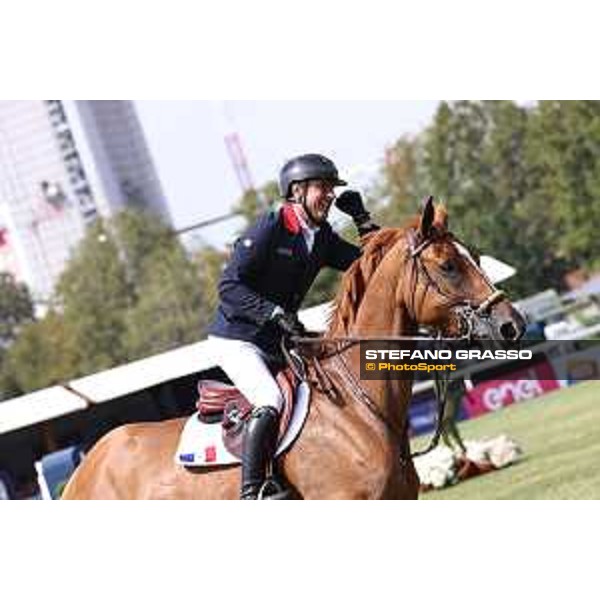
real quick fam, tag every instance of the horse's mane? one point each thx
(357, 277)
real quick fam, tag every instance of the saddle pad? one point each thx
(201, 444)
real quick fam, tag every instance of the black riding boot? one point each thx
(260, 443)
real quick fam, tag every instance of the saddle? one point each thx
(223, 403)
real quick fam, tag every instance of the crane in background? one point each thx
(235, 150)
(237, 156)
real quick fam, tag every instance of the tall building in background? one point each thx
(63, 164)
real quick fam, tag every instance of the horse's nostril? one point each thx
(508, 331)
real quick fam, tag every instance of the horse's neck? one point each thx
(381, 314)
(381, 311)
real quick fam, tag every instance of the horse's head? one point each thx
(447, 289)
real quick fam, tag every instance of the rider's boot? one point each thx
(260, 443)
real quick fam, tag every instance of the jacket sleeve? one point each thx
(340, 253)
(237, 287)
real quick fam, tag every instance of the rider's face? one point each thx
(319, 197)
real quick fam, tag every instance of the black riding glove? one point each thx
(351, 203)
(290, 325)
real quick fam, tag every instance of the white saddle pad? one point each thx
(201, 444)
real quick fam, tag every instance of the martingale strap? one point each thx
(441, 394)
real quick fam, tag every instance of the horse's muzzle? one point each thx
(508, 323)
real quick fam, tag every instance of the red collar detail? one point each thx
(290, 219)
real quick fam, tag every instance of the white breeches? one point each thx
(245, 366)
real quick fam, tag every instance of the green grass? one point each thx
(560, 437)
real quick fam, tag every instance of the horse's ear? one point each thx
(427, 218)
(440, 220)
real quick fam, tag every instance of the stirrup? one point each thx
(271, 489)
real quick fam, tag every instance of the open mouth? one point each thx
(324, 207)
(321, 211)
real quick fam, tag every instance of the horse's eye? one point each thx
(449, 267)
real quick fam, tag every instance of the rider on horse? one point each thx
(271, 269)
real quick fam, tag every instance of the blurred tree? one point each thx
(129, 291)
(138, 233)
(476, 159)
(563, 154)
(16, 311)
(170, 310)
(209, 263)
(16, 308)
(44, 354)
(455, 148)
(9, 388)
(95, 294)
(171, 306)
(505, 233)
(254, 202)
(402, 183)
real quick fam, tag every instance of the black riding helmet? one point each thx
(305, 167)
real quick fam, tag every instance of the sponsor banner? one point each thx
(422, 413)
(517, 386)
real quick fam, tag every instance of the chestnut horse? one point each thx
(354, 443)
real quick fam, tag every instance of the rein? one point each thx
(357, 390)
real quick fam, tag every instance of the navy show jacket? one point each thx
(270, 266)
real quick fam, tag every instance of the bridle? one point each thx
(467, 313)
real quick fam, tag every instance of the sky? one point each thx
(186, 139)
